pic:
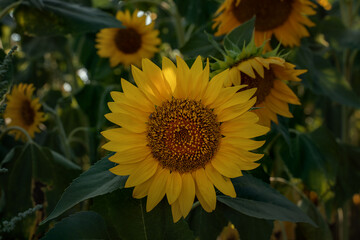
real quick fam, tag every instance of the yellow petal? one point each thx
(124, 169)
(225, 95)
(222, 183)
(239, 98)
(130, 156)
(142, 189)
(134, 94)
(169, 71)
(235, 111)
(157, 188)
(224, 166)
(173, 187)
(246, 68)
(205, 188)
(278, 106)
(214, 88)
(257, 66)
(126, 121)
(144, 171)
(176, 212)
(187, 195)
(243, 143)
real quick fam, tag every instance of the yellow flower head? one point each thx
(286, 19)
(269, 75)
(130, 44)
(22, 110)
(181, 135)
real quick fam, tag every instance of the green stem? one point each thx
(180, 33)
(8, 8)
(29, 139)
(61, 130)
(76, 130)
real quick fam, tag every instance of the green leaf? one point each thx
(60, 17)
(82, 225)
(257, 199)
(127, 218)
(98, 180)
(313, 158)
(323, 78)
(37, 3)
(240, 36)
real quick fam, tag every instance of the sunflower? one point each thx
(130, 44)
(181, 135)
(269, 76)
(23, 111)
(229, 233)
(286, 19)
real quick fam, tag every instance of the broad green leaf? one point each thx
(81, 225)
(60, 17)
(257, 199)
(98, 180)
(127, 218)
(240, 36)
(197, 11)
(209, 225)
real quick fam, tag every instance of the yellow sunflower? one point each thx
(181, 135)
(23, 111)
(269, 76)
(130, 44)
(229, 233)
(286, 19)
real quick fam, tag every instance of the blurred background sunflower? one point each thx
(23, 111)
(285, 19)
(130, 44)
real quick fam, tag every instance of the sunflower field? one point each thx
(180, 119)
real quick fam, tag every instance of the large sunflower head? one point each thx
(268, 73)
(285, 19)
(130, 44)
(23, 111)
(181, 135)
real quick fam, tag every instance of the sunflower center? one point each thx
(28, 113)
(128, 40)
(183, 135)
(263, 85)
(269, 13)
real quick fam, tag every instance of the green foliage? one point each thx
(94, 182)
(82, 225)
(257, 199)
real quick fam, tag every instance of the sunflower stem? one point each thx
(61, 129)
(29, 139)
(8, 8)
(180, 33)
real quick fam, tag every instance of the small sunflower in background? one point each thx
(181, 135)
(285, 19)
(22, 110)
(130, 44)
(268, 73)
(229, 233)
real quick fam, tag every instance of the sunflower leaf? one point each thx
(81, 225)
(240, 36)
(98, 180)
(60, 18)
(257, 199)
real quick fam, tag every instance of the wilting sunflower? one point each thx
(130, 44)
(181, 135)
(23, 111)
(286, 19)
